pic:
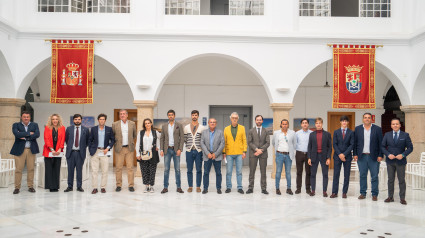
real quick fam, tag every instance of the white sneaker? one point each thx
(146, 189)
(151, 190)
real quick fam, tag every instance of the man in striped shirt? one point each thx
(192, 138)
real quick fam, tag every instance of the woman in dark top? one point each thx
(148, 140)
(54, 138)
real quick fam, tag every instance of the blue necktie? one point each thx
(395, 137)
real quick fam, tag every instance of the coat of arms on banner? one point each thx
(353, 78)
(72, 76)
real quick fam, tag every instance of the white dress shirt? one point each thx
(171, 134)
(124, 132)
(283, 143)
(79, 137)
(27, 143)
(366, 146)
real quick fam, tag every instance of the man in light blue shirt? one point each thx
(301, 156)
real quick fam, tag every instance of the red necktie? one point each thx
(343, 134)
(77, 137)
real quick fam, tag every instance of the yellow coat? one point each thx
(235, 147)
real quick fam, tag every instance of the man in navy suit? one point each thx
(343, 143)
(101, 141)
(368, 154)
(319, 150)
(24, 150)
(396, 145)
(77, 139)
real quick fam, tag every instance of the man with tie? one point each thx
(24, 150)
(124, 133)
(368, 154)
(396, 146)
(319, 151)
(212, 144)
(172, 141)
(77, 140)
(343, 143)
(101, 141)
(301, 156)
(258, 142)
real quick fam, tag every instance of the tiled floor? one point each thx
(192, 215)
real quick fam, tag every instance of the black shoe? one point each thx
(219, 191)
(298, 191)
(308, 191)
(31, 190)
(55, 190)
(131, 189)
(278, 192)
(205, 191)
(289, 191)
(80, 189)
(16, 191)
(249, 191)
(68, 189)
(228, 190)
(118, 189)
(240, 191)
(264, 192)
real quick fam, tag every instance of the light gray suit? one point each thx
(217, 149)
(261, 142)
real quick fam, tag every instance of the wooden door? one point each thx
(333, 124)
(132, 116)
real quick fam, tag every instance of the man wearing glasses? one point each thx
(285, 142)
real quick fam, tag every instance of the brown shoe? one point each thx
(374, 198)
(344, 195)
(278, 192)
(103, 190)
(289, 191)
(402, 201)
(16, 191)
(334, 195)
(94, 191)
(298, 191)
(198, 189)
(389, 199)
(189, 190)
(165, 190)
(361, 196)
(31, 190)
(179, 190)
(312, 193)
(325, 194)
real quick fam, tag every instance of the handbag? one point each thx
(146, 155)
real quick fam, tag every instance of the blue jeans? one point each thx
(229, 169)
(366, 163)
(207, 169)
(167, 162)
(194, 156)
(280, 160)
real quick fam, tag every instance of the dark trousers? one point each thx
(253, 161)
(321, 158)
(338, 163)
(302, 160)
(207, 168)
(400, 169)
(75, 162)
(194, 156)
(148, 172)
(52, 168)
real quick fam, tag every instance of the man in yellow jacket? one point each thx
(234, 150)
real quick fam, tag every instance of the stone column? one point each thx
(280, 111)
(144, 110)
(415, 126)
(10, 112)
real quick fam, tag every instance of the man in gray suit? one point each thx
(172, 141)
(258, 142)
(212, 144)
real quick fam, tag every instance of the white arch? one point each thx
(418, 95)
(7, 85)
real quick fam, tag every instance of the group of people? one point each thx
(210, 146)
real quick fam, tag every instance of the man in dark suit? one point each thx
(396, 146)
(77, 140)
(367, 152)
(101, 141)
(24, 150)
(319, 150)
(212, 144)
(258, 142)
(172, 141)
(343, 143)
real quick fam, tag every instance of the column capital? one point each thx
(145, 103)
(413, 108)
(12, 102)
(282, 106)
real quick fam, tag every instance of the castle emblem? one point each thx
(353, 78)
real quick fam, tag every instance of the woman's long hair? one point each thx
(49, 121)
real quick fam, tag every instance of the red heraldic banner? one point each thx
(72, 71)
(354, 76)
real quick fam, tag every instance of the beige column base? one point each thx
(280, 111)
(10, 112)
(415, 126)
(144, 110)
